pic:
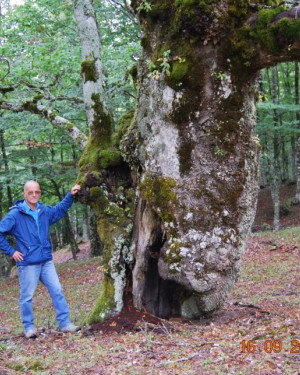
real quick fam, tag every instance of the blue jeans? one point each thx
(29, 277)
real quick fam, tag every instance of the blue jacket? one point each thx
(36, 248)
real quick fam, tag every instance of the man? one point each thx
(28, 221)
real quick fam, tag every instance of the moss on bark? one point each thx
(104, 305)
(88, 71)
(159, 192)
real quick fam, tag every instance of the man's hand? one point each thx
(75, 189)
(17, 256)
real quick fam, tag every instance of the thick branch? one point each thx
(58, 121)
(275, 39)
(292, 13)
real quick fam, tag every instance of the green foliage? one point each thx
(144, 5)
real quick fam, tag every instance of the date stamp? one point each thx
(270, 346)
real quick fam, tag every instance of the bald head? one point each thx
(29, 184)
(32, 193)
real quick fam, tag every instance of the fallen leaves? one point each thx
(264, 305)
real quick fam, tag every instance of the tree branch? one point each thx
(292, 13)
(2, 58)
(32, 106)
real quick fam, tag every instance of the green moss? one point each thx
(38, 97)
(31, 107)
(110, 158)
(89, 158)
(179, 74)
(102, 128)
(159, 192)
(197, 10)
(99, 140)
(289, 28)
(104, 304)
(88, 71)
(124, 123)
(179, 70)
(52, 116)
(97, 196)
(238, 10)
(133, 72)
(159, 9)
(266, 31)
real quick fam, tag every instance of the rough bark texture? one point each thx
(192, 148)
(91, 66)
(197, 148)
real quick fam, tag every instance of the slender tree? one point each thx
(273, 155)
(297, 195)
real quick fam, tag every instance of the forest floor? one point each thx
(256, 332)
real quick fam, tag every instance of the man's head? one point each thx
(32, 193)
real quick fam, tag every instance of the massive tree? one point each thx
(193, 150)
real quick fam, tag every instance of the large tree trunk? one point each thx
(198, 154)
(194, 152)
(198, 188)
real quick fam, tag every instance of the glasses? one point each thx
(37, 192)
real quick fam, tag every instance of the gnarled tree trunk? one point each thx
(194, 152)
(197, 149)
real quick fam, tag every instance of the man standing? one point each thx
(29, 221)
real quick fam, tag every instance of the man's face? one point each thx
(32, 193)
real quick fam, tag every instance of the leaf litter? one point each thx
(261, 312)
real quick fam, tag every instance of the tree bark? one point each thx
(274, 156)
(98, 116)
(85, 225)
(197, 151)
(96, 243)
(6, 168)
(297, 195)
(5, 261)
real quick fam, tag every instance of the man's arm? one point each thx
(59, 211)
(6, 226)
